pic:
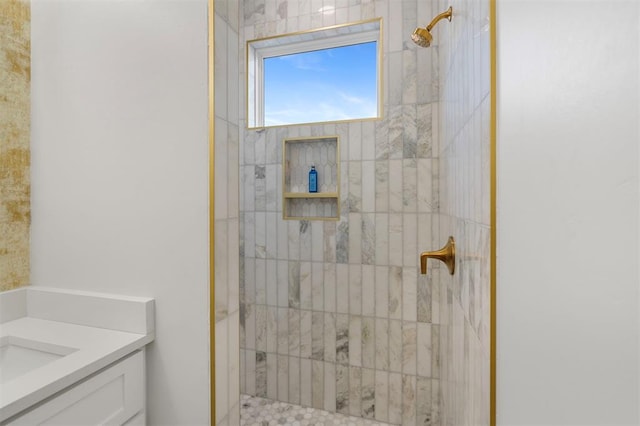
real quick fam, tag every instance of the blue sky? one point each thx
(323, 85)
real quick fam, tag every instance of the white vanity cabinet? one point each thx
(73, 358)
(112, 396)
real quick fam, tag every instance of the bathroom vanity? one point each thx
(73, 358)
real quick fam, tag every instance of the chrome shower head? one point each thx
(422, 36)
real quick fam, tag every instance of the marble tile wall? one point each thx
(335, 315)
(15, 151)
(226, 213)
(464, 165)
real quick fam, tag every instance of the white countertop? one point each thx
(95, 346)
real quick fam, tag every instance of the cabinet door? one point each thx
(111, 397)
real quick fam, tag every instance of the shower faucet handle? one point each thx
(446, 254)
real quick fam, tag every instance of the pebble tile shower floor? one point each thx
(255, 411)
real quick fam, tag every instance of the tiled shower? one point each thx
(334, 314)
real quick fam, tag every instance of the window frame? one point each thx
(258, 50)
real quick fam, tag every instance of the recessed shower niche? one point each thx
(298, 156)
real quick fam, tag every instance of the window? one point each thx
(331, 74)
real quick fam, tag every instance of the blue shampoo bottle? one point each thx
(313, 179)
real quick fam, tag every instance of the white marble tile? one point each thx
(436, 368)
(382, 344)
(381, 238)
(410, 240)
(305, 334)
(317, 241)
(317, 335)
(250, 326)
(272, 376)
(329, 382)
(424, 298)
(261, 374)
(305, 382)
(368, 393)
(408, 400)
(221, 272)
(283, 331)
(395, 239)
(261, 327)
(367, 239)
(409, 185)
(222, 359)
(271, 284)
(342, 339)
(368, 290)
(395, 186)
(394, 90)
(329, 272)
(355, 142)
(294, 332)
(355, 341)
(294, 239)
(368, 140)
(355, 237)
(249, 235)
(424, 398)
(282, 283)
(355, 289)
(261, 281)
(305, 285)
(368, 186)
(342, 239)
(342, 288)
(342, 388)
(305, 240)
(381, 396)
(355, 391)
(409, 293)
(382, 185)
(368, 342)
(272, 329)
(271, 183)
(424, 143)
(271, 239)
(295, 375)
(395, 398)
(233, 266)
(409, 63)
(381, 291)
(248, 188)
(283, 378)
(243, 369)
(329, 241)
(355, 186)
(250, 372)
(260, 233)
(395, 292)
(317, 286)
(409, 352)
(317, 384)
(395, 345)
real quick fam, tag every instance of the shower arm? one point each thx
(446, 14)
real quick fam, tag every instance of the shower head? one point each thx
(422, 36)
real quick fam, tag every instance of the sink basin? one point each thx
(19, 356)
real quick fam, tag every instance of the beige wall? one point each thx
(568, 216)
(15, 82)
(120, 174)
